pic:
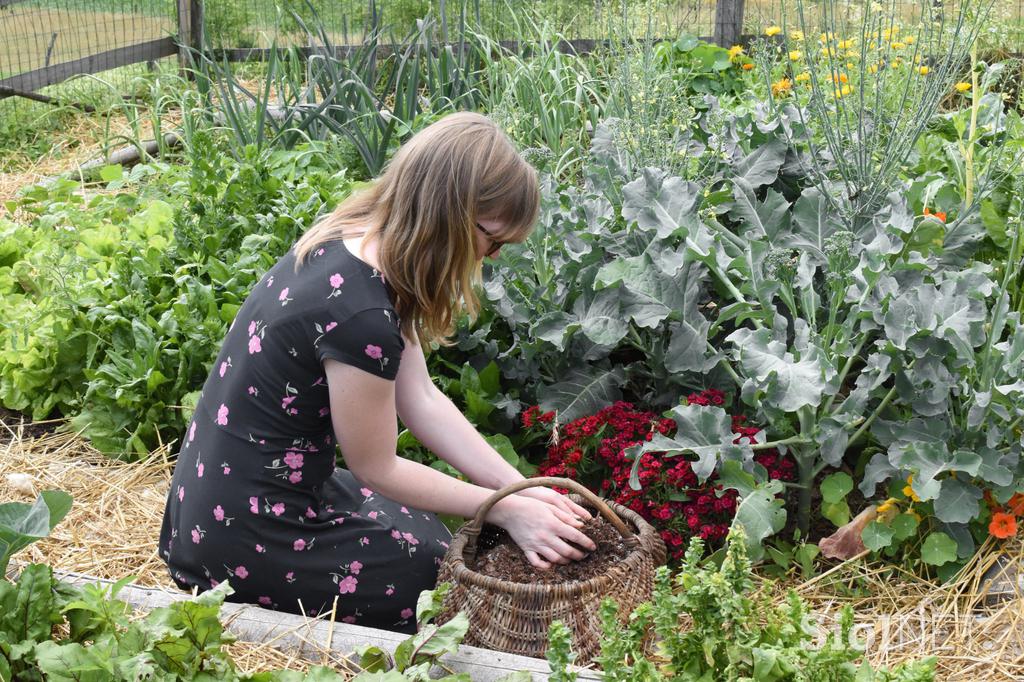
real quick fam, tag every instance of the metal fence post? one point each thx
(728, 22)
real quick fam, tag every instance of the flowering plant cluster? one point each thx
(591, 450)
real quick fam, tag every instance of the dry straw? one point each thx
(112, 529)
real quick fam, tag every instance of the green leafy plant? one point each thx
(734, 633)
(22, 524)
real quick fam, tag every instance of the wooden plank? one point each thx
(306, 636)
(728, 22)
(122, 56)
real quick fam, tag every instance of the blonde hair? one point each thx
(423, 210)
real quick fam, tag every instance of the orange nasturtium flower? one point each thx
(941, 215)
(1002, 525)
(748, 66)
(1016, 504)
(838, 78)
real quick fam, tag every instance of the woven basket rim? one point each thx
(461, 572)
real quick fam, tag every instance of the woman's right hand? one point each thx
(541, 530)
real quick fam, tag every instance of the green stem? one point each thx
(972, 131)
(806, 482)
(777, 443)
(844, 371)
(867, 423)
(728, 367)
(805, 464)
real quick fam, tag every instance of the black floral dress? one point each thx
(256, 498)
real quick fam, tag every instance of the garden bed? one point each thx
(111, 530)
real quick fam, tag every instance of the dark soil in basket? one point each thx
(500, 557)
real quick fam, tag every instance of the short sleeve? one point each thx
(370, 340)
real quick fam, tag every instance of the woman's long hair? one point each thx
(423, 211)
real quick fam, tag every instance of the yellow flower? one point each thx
(843, 91)
(838, 78)
(772, 31)
(782, 87)
(909, 40)
(962, 86)
(898, 45)
(795, 55)
(796, 35)
(844, 44)
(909, 491)
(735, 51)
(825, 37)
(923, 70)
(829, 51)
(887, 505)
(873, 68)
(803, 77)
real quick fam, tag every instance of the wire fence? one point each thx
(41, 35)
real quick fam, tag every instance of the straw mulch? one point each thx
(112, 530)
(81, 140)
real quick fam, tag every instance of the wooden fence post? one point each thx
(190, 32)
(728, 22)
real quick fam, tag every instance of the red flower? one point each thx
(941, 215)
(1002, 525)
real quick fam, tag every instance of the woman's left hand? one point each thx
(570, 511)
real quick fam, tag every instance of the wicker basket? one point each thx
(514, 617)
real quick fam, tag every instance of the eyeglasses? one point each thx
(495, 244)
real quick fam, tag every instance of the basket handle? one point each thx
(606, 512)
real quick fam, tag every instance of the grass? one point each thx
(27, 34)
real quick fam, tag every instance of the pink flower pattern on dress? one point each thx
(355, 567)
(218, 513)
(222, 415)
(299, 545)
(336, 280)
(406, 613)
(347, 585)
(376, 353)
(242, 572)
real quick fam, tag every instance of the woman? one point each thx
(328, 350)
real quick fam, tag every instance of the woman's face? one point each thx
(488, 241)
